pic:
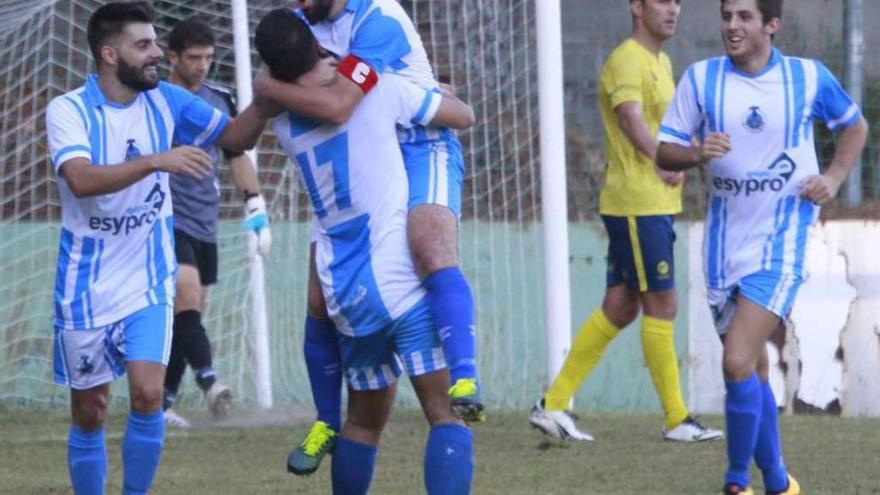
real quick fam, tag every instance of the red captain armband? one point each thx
(358, 72)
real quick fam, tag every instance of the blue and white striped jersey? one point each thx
(380, 33)
(756, 219)
(116, 252)
(355, 178)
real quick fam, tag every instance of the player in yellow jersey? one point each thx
(637, 205)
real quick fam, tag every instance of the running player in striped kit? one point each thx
(752, 113)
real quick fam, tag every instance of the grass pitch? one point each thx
(827, 455)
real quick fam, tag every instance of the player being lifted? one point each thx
(637, 204)
(753, 113)
(355, 177)
(375, 37)
(196, 208)
(110, 144)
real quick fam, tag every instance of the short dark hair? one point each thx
(111, 19)
(770, 9)
(286, 44)
(189, 33)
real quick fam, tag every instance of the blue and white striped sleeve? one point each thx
(415, 106)
(196, 122)
(66, 131)
(832, 104)
(380, 41)
(683, 115)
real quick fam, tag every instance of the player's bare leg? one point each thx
(750, 409)
(432, 231)
(448, 463)
(354, 456)
(86, 449)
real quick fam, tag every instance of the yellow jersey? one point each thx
(632, 186)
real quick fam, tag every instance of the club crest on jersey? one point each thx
(132, 151)
(84, 365)
(755, 120)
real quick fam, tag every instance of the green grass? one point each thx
(828, 456)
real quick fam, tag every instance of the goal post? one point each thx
(557, 288)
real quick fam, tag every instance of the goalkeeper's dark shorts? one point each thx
(197, 253)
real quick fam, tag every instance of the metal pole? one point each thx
(259, 319)
(855, 75)
(554, 203)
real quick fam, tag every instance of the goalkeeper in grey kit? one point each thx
(196, 209)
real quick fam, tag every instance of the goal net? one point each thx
(484, 48)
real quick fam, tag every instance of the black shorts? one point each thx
(197, 253)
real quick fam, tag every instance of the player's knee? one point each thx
(622, 313)
(189, 296)
(146, 398)
(737, 365)
(90, 413)
(662, 305)
(365, 423)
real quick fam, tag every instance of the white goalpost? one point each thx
(259, 320)
(557, 288)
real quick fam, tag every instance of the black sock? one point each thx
(176, 367)
(196, 346)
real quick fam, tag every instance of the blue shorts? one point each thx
(373, 362)
(435, 170)
(773, 291)
(640, 252)
(87, 358)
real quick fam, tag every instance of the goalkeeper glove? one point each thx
(257, 220)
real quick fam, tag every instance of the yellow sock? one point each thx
(658, 346)
(586, 351)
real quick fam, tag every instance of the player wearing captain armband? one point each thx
(373, 38)
(752, 113)
(355, 178)
(110, 143)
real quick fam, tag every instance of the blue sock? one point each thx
(141, 449)
(743, 414)
(87, 461)
(449, 460)
(325, 370)
(768, 451)
(452, 306)
(352, 468)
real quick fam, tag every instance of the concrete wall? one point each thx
(828, 357)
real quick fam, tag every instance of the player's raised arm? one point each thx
(243, 132)
(332, 104)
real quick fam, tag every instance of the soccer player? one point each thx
(110, 144)
(355, 177)
(637, 204)
(196, 207)
(376, 37)
(752, 113)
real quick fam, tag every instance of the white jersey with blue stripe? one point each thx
(357, 184)
(116, 253)
(756, 219)
(380, 33)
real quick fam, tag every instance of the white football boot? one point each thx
(691, 430)
(556, 424)
(219, 398)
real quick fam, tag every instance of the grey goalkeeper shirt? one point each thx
(197, 202)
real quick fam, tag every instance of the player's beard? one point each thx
(135, 77)
(319, 12)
